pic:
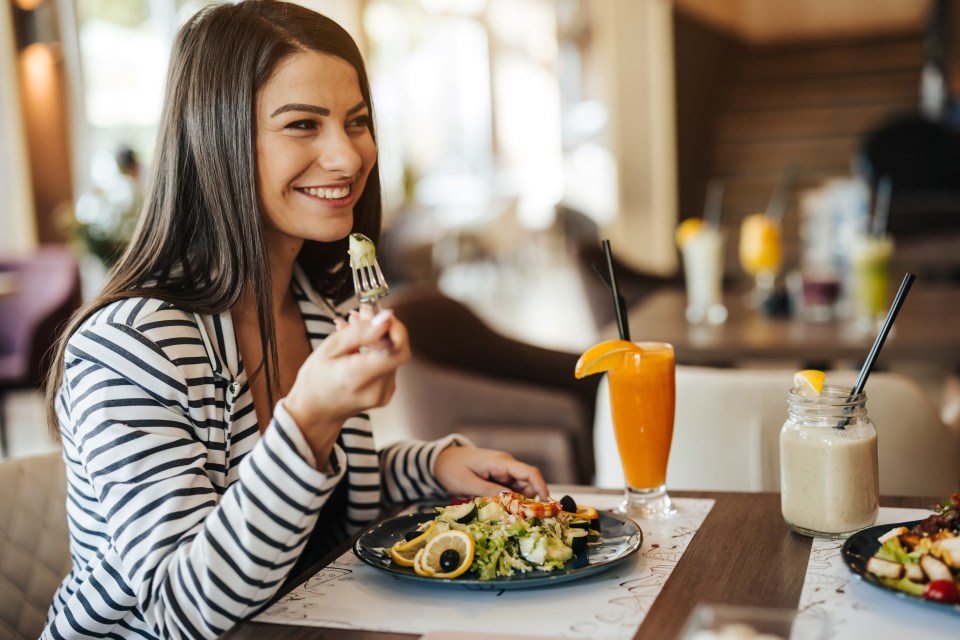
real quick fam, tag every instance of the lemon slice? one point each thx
(603, 357)
(687, 229)
(418, 567)
(416, 543)
(402, 557)
(809, 382)
(456, 540)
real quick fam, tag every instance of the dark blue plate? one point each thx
(620, 537)
(862, 546)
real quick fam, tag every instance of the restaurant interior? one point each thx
(514, 137)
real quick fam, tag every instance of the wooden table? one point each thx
(743, 554)
(925, 330)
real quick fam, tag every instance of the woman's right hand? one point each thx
(340, 379)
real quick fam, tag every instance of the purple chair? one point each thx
(46, 292)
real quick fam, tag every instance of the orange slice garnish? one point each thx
(604, 357)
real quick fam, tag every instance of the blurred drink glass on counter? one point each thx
(702, 252)
(832, 215)
(820, 292)
(761, 243)
(701, 244)
(761, 253)
(870, 259)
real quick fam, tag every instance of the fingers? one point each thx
(357, 332)
(477, 486)
(478, 472)
(525, 479)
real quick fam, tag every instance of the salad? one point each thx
(499, 536)
(923, 560)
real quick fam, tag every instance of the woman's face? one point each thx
(314, 149)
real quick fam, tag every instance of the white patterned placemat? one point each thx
(859, 610)
(348, 594)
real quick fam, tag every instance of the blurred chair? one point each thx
(501, 393)
(34, 541)
(47, 291)
(727, 427)
(582, 239)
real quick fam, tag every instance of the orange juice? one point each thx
(643, 399)
(760, 245)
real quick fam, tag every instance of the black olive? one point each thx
(568, 504)
(449, 560)
(410, 535)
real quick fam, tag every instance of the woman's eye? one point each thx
(303, 125)
(362, 122)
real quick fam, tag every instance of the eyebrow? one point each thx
(320, 111)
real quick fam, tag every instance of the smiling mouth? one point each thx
(336, 193)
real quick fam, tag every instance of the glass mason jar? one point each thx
(829, 479)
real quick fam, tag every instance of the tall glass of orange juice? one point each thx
(761, 252)
(642, 399)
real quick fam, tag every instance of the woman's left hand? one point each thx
(471, 471)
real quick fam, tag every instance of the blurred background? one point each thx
(515, 134)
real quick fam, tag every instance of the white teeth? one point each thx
(329, 194)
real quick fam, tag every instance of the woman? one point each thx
(211, 410)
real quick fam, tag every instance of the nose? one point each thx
(339, 154)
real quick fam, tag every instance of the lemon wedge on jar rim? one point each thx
(809, 382)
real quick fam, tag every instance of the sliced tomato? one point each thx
(942, 591)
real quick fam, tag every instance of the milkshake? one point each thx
(703, 275)
(829, 479)
(701, 249)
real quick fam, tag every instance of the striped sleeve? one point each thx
(407, 468)
(196, 560)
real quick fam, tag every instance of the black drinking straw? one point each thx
(619, 304)
(714, 205)
(881, 209)
(908, 279)
(778, 201)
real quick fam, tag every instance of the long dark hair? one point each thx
(199, 241)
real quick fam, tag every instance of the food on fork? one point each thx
(925, 559)
(497, 536)
(362, 251)
(368, 280)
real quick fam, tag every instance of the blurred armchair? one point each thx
(501, 393)
(45, 293)
(582, 239)
(34, 541)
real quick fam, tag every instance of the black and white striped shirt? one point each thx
(183, 518)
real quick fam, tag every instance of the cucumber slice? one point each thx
(576, 539)
(491, 512)
(461, 513)
(589, 513)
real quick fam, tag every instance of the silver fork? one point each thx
(368, 280)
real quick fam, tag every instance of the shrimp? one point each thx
(520, 505)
